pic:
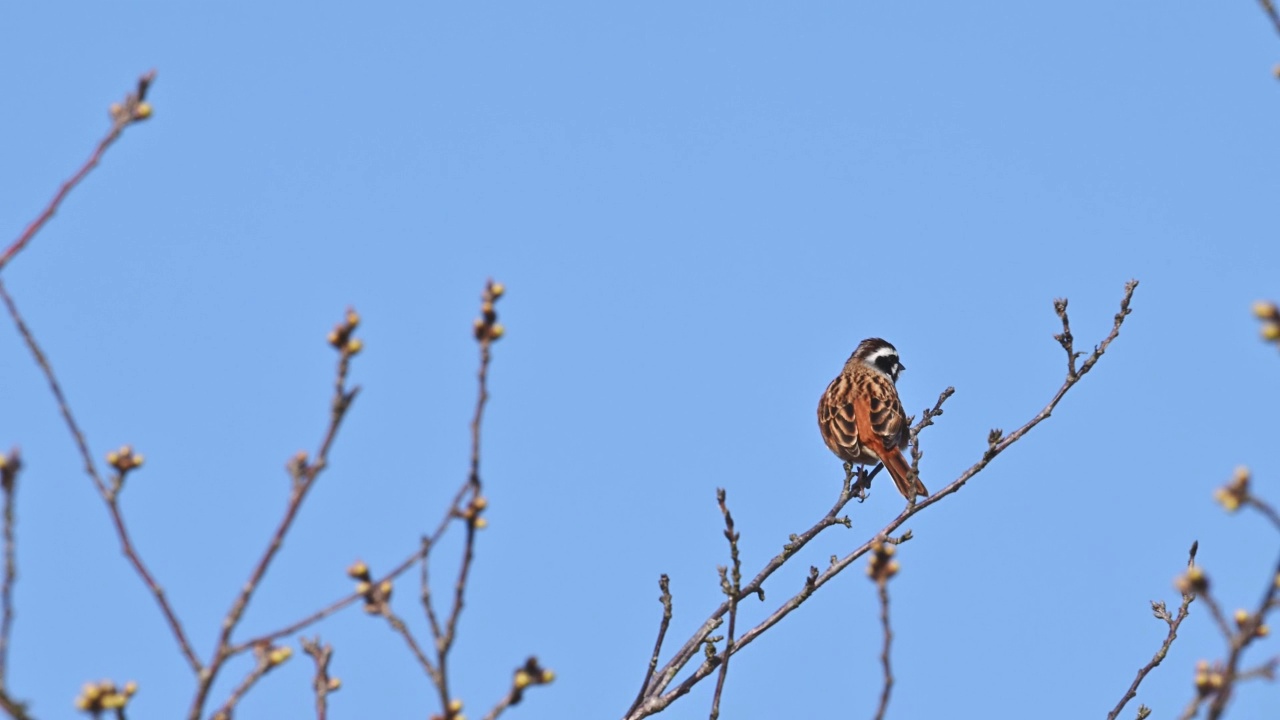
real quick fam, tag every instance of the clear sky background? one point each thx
(698, 209)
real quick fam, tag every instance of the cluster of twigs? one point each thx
(657, 691)
(304, 470)
(1215, 682)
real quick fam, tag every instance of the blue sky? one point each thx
(698, 212)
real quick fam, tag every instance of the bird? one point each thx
(861, 417)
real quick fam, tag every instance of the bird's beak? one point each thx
(901, 367)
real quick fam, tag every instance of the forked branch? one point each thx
(656, 696)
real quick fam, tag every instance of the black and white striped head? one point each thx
(880, 355)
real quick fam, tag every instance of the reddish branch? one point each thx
(133, 109)
(467, 504)
(110, 495)
(123, 115)
(305, 473)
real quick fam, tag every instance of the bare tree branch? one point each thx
(10, 465)
(881, 568)
(323, 683)
(1248, 630)
(664, 583)
(268, 658)
(1162, 613)
(304, 473)
(110, 495)
(1270, 9)
(731, 585)
(657, 697)
(883, 592)
(487, 331)
(133, 109)
(531, 673)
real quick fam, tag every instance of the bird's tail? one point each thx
(908, 482)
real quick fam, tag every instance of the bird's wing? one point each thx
(838, 419)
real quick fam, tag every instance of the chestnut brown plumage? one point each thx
(861, 418)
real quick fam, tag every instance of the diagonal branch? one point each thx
(664, 584)
(657, 698)
(1269, 8)
(305, 472)
(133, 109)
(109, 495)
(1162, 613)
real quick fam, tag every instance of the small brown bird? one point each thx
(861, 418)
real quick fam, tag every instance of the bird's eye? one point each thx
(888, 364)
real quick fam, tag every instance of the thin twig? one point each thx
(132, 110)
(63, 407)
(1219, 618)
(657, 698)
(436, 629)
(1270, 9)
(267, 660)
(531, 673)
(1174, 623)
(322, 613)
(1192, 708)
(323, 684)
(732, 587)
(664, 583)
(403, 631)
(501, 706)
(9, 467)
(882, 589)
(849, 492)
(305, 473)
(16, 709)
(109, 495)
(1261, 506)
(467, 504)
(1244, 636)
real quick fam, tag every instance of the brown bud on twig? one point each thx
(1192, 582)
(340, 337)
(882, 565)
(9, 466)
(486, 327)
(1234, 494)
(95, 698)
